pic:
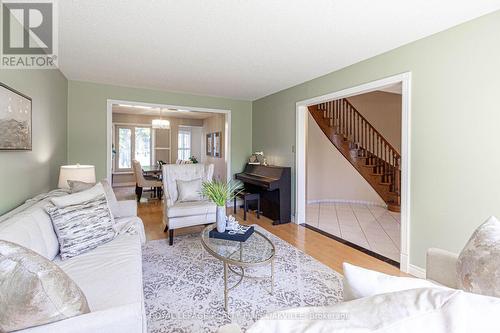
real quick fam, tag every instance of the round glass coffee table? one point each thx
(257, 250)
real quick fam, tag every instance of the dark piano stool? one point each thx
(248, 197)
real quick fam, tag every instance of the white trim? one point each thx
(124, 184)
(417, 271)
(301, 144)
(300, 164)
(132, 124)
(405, 171)
(190, 126)
(347, 201)
(109, 129)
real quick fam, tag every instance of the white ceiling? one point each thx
(167, 113)
(393, 88)
(240, 49)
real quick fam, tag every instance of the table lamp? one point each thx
(82, 173)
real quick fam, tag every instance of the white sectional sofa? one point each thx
(110, 276)
(440, 309)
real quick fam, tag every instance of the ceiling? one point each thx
(239, 49)
(396, 88)
(167, 113)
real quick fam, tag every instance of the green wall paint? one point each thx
(454, 133)
(87, 104)
(27, 173)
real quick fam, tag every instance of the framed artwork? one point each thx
(15, 120)
(216, 144)
(209, 144)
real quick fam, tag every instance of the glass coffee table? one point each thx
(257, 250)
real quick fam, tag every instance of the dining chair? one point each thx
(141, 181)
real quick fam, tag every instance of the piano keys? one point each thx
(274, 185)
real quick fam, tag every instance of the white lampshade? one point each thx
(82, 173)
(160, 124)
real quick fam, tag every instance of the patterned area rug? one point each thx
(184, 290)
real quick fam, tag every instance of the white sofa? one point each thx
(440, 268)
(185, 214)
(110, 276)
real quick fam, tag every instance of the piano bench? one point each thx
(248, 197)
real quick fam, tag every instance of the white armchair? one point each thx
(185, 214)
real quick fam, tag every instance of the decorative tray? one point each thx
(238, 236)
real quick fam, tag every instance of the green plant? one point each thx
(193, 160)
(220, 192)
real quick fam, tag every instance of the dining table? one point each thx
(151, 170)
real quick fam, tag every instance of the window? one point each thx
(125, 148)
(184, 145)
(143, 145)
(133, 143)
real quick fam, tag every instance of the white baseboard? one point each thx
(347, 201)
(417, 271)
(123, 184)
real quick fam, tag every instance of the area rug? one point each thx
(184, 290)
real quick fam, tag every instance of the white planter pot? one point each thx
(221, 218)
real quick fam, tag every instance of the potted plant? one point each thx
(220, 193)
(193, 160)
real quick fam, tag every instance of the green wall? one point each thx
(455, 130)
(27, 173)
(87, 104)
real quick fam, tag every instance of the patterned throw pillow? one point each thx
(76, 186)
(83, 226)
(478, 266)
(34, 291)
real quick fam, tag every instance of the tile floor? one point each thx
(372, 227)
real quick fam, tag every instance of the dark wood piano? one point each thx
(274, 185)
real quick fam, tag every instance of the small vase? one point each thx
(221, 218)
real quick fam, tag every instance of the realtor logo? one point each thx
(28, 34)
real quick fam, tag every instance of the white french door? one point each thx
(132, 143)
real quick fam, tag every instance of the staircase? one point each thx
(363, 146)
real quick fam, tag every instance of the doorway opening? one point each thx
(352, 167)
(155, 134)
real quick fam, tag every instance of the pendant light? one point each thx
(160, 123)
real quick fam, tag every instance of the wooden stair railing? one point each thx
(363, 146)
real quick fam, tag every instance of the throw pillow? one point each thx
(82, 221)
(34, 290)
(189, 190)
(478, 266)
(32, 229)
(76, 198)
(76, 186)
(111, 197)
(360, 282)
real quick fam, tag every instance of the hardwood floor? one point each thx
(322, 248)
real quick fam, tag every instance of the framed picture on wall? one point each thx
(15, 120)
(209, 144)
(216, 145)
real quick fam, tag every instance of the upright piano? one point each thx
(274, 185)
